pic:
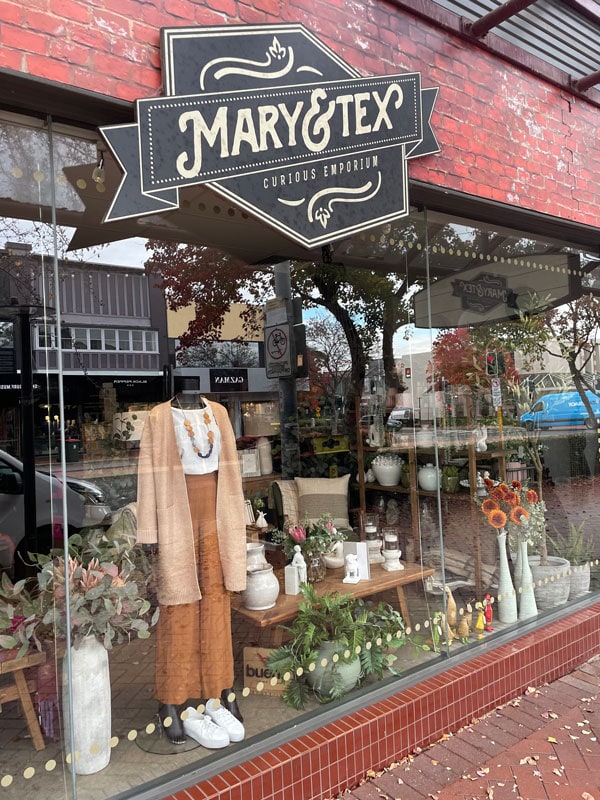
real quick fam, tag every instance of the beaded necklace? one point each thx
(189, 429)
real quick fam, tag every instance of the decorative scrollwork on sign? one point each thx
(278, 57)
(321, 212)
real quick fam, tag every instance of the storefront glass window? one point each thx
(457, 469)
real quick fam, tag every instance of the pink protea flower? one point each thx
(298, 534)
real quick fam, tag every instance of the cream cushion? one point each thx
(317, 496)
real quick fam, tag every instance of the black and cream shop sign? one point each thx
(275, 122)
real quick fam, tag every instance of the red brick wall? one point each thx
(504, 134)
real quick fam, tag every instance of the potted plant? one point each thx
(355, 638)
(450, 478)
(405, 475)
(106, 604)
(578, 549)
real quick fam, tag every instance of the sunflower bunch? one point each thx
(514, 508)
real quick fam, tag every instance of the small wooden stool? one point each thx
(21, 690)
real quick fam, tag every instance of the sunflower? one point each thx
(516, 485)
(531, 496)
(518, 514)
(512, 499)
(489, 505)
(497, 518)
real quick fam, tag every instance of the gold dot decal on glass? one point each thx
(28, 773)
(132, 735)
(115, 741)
(246, 690)
(260, 686)
(81, 183)
(17, 172)
(38, 176)
(6, 780)
(50, 765)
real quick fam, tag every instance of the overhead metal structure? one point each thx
(484, 25)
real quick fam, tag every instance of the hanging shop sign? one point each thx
(274, 121)
(519, 285)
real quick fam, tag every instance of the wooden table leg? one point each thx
(403, 605)
(28, 710)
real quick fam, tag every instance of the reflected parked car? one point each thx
(86, 506)
(402, 417)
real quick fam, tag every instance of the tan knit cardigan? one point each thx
(163, 514)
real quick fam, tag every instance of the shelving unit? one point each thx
(416, 454)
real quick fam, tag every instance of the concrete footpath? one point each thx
(543, 745)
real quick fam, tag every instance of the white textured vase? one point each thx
(527, 604)
(89, 686)
(262, 588)
(507, 599)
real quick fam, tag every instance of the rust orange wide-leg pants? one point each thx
(194, 652)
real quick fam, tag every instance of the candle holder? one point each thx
(391, 550)
(373, 539)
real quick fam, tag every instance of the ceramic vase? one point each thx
(262, 588)
(527, 604)
(507, 599)
(428, 477)
(88, 686)
(518, 566)
(551, 583)
(255, 555)
(322, 678)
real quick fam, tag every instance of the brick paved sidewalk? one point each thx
(544, 745)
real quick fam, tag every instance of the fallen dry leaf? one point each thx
(483, 771)
(587, 796)
(530, 690)
(552, 739)
(490, 792)
(557, 772)
(528, 760)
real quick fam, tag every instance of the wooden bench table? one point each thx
(381, 580)
(21, 690)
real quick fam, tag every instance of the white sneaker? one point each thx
(201, 728)
(225, 719)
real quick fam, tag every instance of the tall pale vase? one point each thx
(527, 604)
(507, 599)
(518, 567)
(91, 697)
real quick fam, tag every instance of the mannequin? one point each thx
(190, 502)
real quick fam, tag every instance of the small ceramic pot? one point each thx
(262, 588)
(255, 555)
(429, 478)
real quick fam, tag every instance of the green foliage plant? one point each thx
(575, 546)
(370, 632)
(102, 582)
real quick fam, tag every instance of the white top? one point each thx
(192, 463)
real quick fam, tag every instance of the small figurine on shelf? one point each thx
(451, 610)
(463, 629)
(300, 564)
(480, 619)
(480, 433)
(352, 572)
(488, 612)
